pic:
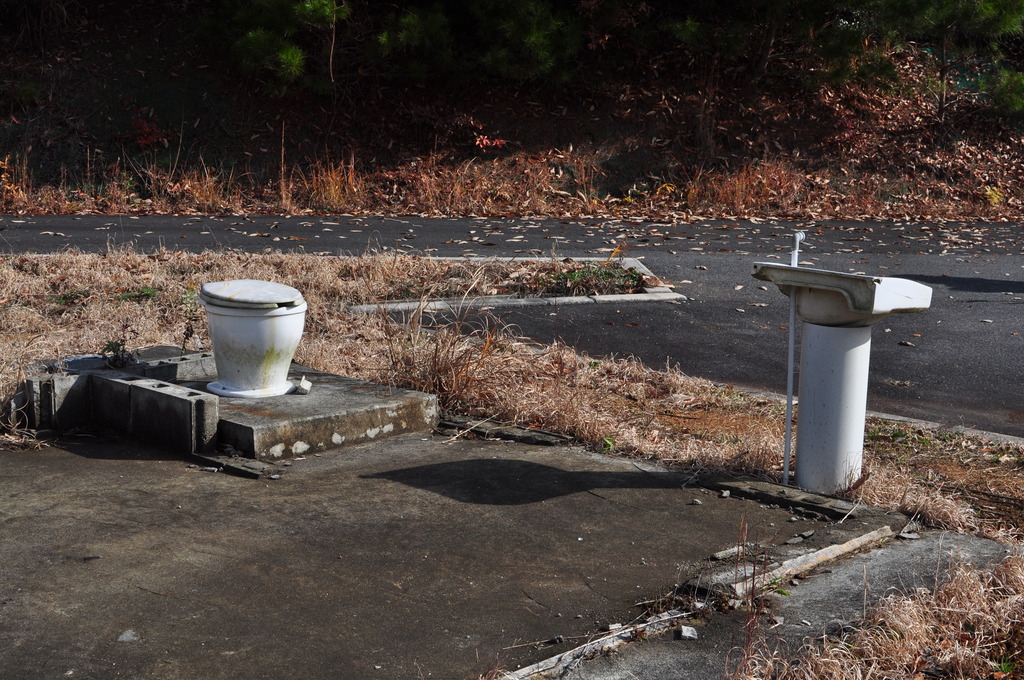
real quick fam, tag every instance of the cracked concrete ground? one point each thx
(418, 557)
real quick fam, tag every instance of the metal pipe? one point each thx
(794, 261)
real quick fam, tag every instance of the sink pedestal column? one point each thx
(833, 403)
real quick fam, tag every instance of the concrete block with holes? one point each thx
(172, 416)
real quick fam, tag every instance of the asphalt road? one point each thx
(958, 363)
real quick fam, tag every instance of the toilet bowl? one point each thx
(255, 328)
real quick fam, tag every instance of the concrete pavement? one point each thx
(413, 558)
(418, 557)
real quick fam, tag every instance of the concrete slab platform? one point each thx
(336, 412)
(163, 400)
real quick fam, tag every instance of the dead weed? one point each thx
(59, 305)
(969, 627)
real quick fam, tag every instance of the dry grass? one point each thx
(335, 188)
(515, 183)
(972, 626)
(14, 186)
(767, 186)
(519, 182)
(65, 304)
(87, 297)
(893, 488)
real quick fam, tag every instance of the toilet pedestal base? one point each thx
(223, 390)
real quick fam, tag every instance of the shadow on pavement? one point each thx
(100, 447)
(971, 284)
(515, 482)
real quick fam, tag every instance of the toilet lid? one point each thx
(250, 294)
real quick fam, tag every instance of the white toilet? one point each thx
(255, 328)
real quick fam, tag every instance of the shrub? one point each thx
(514, 40)
(283, 41)
(1006, 88)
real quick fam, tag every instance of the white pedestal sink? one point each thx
(838, 311)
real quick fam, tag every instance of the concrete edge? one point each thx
(498, 302)
(650, 294)
(798, 500)
(558, 665)
(798, 566)
(454, 424)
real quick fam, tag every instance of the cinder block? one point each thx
(185, 367)
(207, 419)
(25, 406)
(59, 402)
(65, 402)
(172, 417)
(111, 400)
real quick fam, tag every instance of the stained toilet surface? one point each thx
(255, 328)
(250, 294)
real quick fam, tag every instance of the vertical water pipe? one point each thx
(793, 262)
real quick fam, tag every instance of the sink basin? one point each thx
(828, 298)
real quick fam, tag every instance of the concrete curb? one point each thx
(739, 588)
(650, 294)
(558, 665)
(806, 563)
